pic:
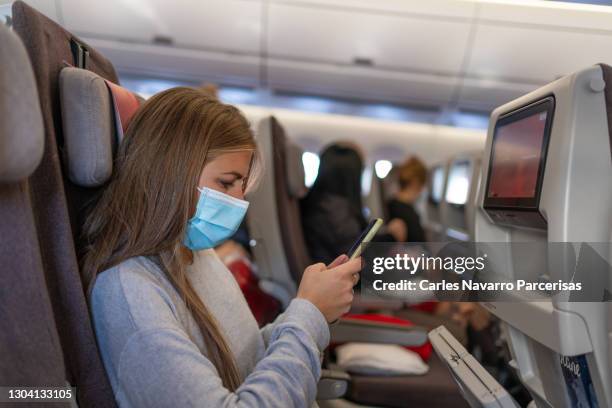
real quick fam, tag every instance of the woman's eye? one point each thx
(226, 184)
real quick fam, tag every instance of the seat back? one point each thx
(459, 202)
(29, 342)
(274, 215)
(389, 188)
(374, 199)
(58, 204)
(545, 193)
(436, 189)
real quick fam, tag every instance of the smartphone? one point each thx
(365, 238)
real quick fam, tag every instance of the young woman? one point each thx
(332, 212)
(412, 175)
(172, 326)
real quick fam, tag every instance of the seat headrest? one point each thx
(22, 132)
(295, 171)
(95, 113)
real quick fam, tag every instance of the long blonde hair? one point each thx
(145, 208)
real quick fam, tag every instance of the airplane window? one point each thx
(148, 86)
(437, 184)
(312, 104)
(366, 181)
(5, 14)
(382, 168)
(236, 95)
(458, 183)
(310, 161)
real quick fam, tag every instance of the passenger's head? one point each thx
(179, 140)
(340, 171)
(412, 176)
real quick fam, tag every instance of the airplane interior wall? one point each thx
(456, 252)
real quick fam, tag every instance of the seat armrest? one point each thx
(365, 331)
(333, 384)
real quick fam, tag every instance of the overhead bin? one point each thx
(361, 83)
(397, 51)
(173, 62)
(114, 19)
(550, 14)
(442, 54)
(431, 44)
(546, 53)
(228, 25)
(446, 8)
(216, 41)
(480, 94)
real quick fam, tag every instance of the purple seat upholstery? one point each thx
(58, 204)
(30, 351)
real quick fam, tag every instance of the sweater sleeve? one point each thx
(153, 362)
(302, 307)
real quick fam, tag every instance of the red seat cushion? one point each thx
(263, 306)
(126, 104)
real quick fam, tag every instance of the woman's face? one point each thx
(226, 173)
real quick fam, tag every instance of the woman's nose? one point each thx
(236, 192)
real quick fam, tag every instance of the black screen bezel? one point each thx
(522, 203)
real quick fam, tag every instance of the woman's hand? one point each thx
(330, 289)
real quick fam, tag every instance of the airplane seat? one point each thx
(264, 226)
(471, 205)
(374, 200)
(291, 188)
(459, 201)
(29, 342)
(58, 203)
(434, 389)
(544, 216)
(94, 113)
(436, 188)
(389, 187)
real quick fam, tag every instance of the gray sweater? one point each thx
(155, 356)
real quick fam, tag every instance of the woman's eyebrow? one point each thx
(234, 173)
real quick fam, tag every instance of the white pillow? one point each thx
(379, 359)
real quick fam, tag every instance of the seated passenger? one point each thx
(172, 325)
(332, 212)
(412, 175)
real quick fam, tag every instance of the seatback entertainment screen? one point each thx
(437, 184)
(458, 184)
(518, 157)
(517, 153)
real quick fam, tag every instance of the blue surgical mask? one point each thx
(216, 219)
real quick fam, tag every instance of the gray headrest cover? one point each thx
(88, 126)
(295, 171)
(22, 133)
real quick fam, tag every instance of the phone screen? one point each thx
(365, 237)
